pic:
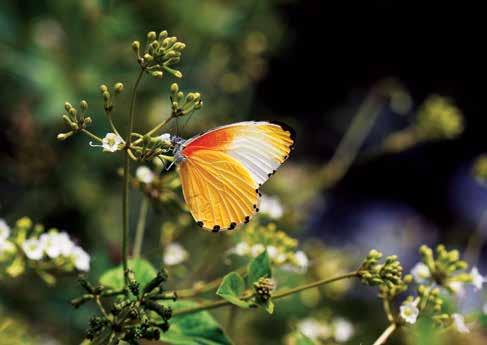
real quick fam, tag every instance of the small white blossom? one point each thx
(81, 259)
(457, 287)
(165, 138)
(409, 311)
(64, 243)
(111, 142)
(477, 279)
(175, 254)
(459, 323)
(33, 248)
(302, 261)
(421, 273)
(7, 247)
(273, 252)
(4, 230)
(314, 329)
(241, 249)
(343, 330)
(257, 249)
(271, 206)
(144, 174)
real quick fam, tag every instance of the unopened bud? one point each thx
(162, 35)
(148, 57)
(151, 36)
(157, 74)
(103, 88)
(83, 105)
(174, 88)
(136, 46)
(64, 136)
(106, 96)
(67, 106)
(118, 88)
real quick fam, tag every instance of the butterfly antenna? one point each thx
(189, 118)
(170, 165)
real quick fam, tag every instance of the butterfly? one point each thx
(222, 170)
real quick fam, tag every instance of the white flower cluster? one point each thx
(422, 275)
(297, 261)
(49, 245)
(175, 254)
(53, 245)
(339, 329)
(144, 174)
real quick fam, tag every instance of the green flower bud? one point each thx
(157, 74)
(87, 121)
(106, 96)
(67, 106)
(148, 57)
(64, 136)
(73, 112)
(155, 45)
(179, 46)
(162, 35)
(118, 88)
(151, 36)
(136, 46)
(174, 88)
(190, 97)
(83, 105)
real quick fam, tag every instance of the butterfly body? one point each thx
(221, 170)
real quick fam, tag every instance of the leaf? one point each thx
(143, 270)
(301, 339)
(269, 306)
(259, 267)
(193, 329)
(231, 288)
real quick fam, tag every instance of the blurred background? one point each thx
(403, 81)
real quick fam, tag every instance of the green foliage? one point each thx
(198, 328)
(231, 289)
(258, 268)
(143, 270)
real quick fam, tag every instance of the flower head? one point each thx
(343, 330)
(4, 230)
(477, 279)
(421, 273)
(459, 323)
(271, 206)
(302, 261)
(175, 254)
(144, 174)
(165, 138)
(409, 311)
(457, 287)
(314, 329)
(33, 249)
(111, 142)
(81, 259)
(7, 247)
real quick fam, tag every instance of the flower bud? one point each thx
(83, 105)
(67, 106)
(87, 121)
(64, 136)
(103, 88)
(174, 88)
(151, 36)
(73, 112)
(106, 96)
(162, 35)
(179, 46)
(136, 46)
(148, 57)
(118, 88)
(157, 74)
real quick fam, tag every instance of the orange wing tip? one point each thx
(285, 127)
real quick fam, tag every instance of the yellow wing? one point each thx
(218, 189)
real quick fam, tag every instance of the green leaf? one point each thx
(259, 267)
(301, 339)
(269, 306)
(231, 288)
(193, 329)
(143, 270)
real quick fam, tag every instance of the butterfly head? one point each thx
(177, 143)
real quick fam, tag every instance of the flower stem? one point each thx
(91, 135)
(126, 168)
(386, 334)
(139, 232)
(284, 293)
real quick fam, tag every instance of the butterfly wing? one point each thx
(224, 168)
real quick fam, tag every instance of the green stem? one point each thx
(155, 129)
(91, 135)
(139, 232)
(126, 168)
(386, 334)
(222, 303)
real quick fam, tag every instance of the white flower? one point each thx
(55, 244)
(33, 248)
(144, 174)
(302, 261)
(459, 323)
(484, 308)
(314, 329)
(421, 273)
(7, 247)
(271, 206)
(80, 258)
(257, 249)
(165, 138)
(343, 330)
(273, 252)
(111, 142)
(409, 311)
(175, 254)
(477, 279)
(241, 249)
(457, 287)
(4, 230)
